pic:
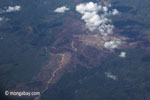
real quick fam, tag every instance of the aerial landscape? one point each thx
(74, 50)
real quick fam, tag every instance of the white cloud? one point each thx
(13, 9)
(115, 12)
(1, 19)
(93, 20)
(112, 44)
(110, 75)
(122, 54)
(87, 7)
(61, 9)
(8, 10)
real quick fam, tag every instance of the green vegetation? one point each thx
(25, 36)
(134, 17)
(91, 84)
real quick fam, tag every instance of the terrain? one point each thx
(57, 55)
